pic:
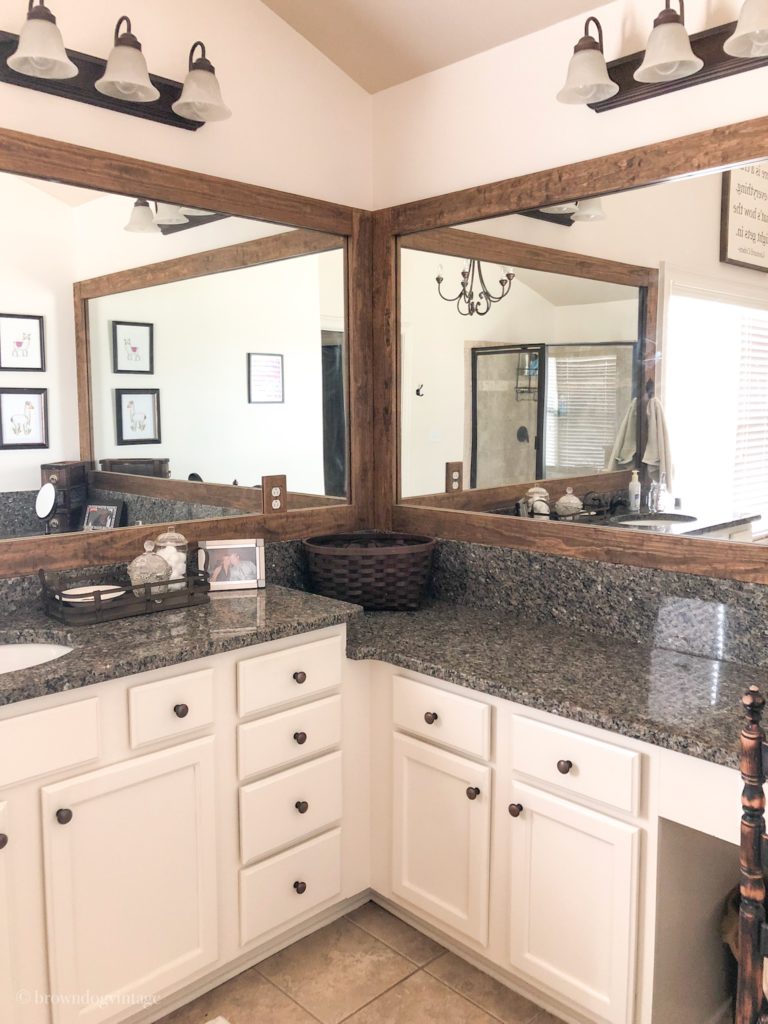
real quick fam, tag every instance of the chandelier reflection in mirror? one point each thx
(466, 303)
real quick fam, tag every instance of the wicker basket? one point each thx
(380, 571)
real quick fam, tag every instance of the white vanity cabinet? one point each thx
(6, 976)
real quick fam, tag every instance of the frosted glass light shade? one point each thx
(168, 214)
(126, 76)
(561, 208)
(668, 55)
(589, 210)
(141, 219)
(587, 80)
(192, 211)
(750, 37)
(40, 52)
(200, 98)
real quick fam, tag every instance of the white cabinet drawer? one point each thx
(287, 886)
(286, 807)
(289, 736)
(170, 707)
(577, 764)
(285, 676)
(48, 741)
(445, 718)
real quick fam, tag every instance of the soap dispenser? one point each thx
(634, 491)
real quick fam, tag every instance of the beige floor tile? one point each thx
(336, 970)
(247, 999)
(483, 990)
(419, 999)
(396, 933)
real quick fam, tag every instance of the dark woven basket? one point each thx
(380, 571)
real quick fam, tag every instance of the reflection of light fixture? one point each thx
(561, 209)
(668, 55)
(167, 214)
(141, 219)
(587, 80)
(41, 53)
(192, 211)
(126, 76)
(200, 98)
(750, 38)
(588, 210)
(466, 303)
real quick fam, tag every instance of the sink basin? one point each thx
(16, 656)
(652, 520)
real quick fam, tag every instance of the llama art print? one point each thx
(137, 414)
(21, 342)
(23, 418)
(133, 347)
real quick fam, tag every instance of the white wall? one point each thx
(203, 331)
(298, 123)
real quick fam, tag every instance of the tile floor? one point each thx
(366, 968)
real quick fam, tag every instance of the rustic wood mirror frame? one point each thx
(37, 157)
(713, 150)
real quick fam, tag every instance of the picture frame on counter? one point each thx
(266, 378)
(23, 418)
(22, 342)
(233, 564)
(103, 517)
(133, 347)
(137, 415)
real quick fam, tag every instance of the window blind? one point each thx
(581, 411)
(750, 473)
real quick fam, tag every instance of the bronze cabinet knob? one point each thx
(300, 737)
(64, 816)
(564, 767)
(515, 810)
(473, 792)
(300, 677)
(301, 806)
(431, 717)
(3, 840)
(300, 887)
(181, 710)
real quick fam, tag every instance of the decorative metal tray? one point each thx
(106, 604)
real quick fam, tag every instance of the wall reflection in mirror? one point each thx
(634, 336)
(219, 371)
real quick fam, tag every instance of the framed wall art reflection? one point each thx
(23, 418)
(133, 347)
(22, 342)
(137, 415)
(265, 378)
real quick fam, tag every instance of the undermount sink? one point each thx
(652, 520)
(16, 656)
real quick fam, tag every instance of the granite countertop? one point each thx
(675, 700)
(128, 646)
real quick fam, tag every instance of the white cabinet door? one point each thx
(573, 902)
(130, 863)
(7, 995)
(441, 835)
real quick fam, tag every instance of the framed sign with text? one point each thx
(265, 378)
(744, 217)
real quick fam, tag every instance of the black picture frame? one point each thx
(116, 365)
(265, 401)
(106, 515)
(7, 443)
(120, 423)
(17, 367)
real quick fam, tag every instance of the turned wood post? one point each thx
(750, 1002)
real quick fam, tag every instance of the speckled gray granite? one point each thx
(673, 700)
(128, 646)
(721, 619)
(141, 508)
(17, 514)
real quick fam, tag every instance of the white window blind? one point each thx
(581, 411)
(750, 471)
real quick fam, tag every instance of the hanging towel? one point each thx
(625, 445)
(657, 455)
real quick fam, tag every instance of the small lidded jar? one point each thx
(148, 568)
(569, 506)
(172, 547)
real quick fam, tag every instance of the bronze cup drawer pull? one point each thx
(515, 810)
(300, 677)
(301, 806)
(300, 737)
(64, 816)
(431, 717)
(181, 710)
(564, 767)
(300, 887)
(3, 840)
(473, 792)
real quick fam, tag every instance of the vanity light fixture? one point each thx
(465, 301)
(167, 215)
(126, 76)
(200, 98)
(192, 211)
(589, 210)
(41, 53)
(142, 220)
(587, 80)
(668, 55)
(750, 37)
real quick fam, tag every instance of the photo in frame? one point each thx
(133, 347)
(744, 217)
(102, 517)
(265, 378)
(23, 418)
(233, 564)
(137, 415)
(22, 342)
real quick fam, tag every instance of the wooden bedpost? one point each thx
(750, 1001)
